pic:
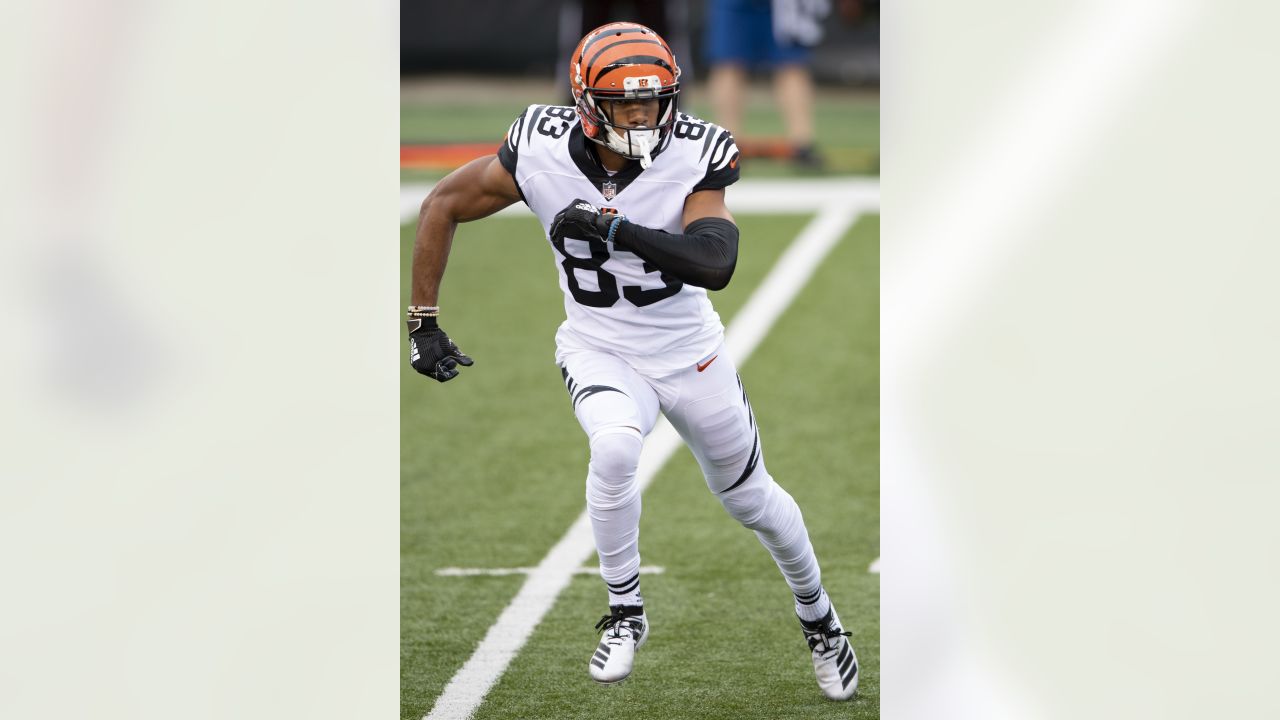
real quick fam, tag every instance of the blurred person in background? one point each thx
(640, 336)
(777, 35)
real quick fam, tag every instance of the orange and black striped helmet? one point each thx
(623, 60)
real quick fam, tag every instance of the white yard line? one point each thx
(538, 594)
(875, 566)
(472, 572)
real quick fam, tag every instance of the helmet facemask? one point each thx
(636, 143)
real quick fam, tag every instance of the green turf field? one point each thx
(493, 470)
(846, 122)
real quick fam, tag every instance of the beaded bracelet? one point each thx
(613, 227)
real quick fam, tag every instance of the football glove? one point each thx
(582, 221)
(432, 353)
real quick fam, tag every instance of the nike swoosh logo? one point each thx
(703, 366)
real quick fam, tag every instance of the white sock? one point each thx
(814, 606)
(626, 592)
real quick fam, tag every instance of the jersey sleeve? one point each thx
(722, 168)
(509, 151)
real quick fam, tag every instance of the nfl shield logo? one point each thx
(609, 188)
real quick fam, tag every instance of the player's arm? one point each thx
(478, 189)
(704, 255)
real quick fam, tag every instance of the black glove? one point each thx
(582, 221)
(432, 353)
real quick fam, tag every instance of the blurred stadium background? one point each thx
(458, 94)
(493, 464)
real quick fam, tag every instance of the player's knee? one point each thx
(748, 502)
(615, 455)
(760, 503)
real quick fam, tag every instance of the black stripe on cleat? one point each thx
(847, 678)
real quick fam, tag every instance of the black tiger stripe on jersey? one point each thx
(532, 122)
(721, 138)
(513, 135)
(720, 154)
(706, 144)
(509, 152)
(722, 163)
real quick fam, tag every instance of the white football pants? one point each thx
(617, 407)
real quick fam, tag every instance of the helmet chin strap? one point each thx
(645, 159)
(635, 137)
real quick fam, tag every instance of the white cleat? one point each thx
(834, 662)
(625, 630)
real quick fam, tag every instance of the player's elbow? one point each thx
(434, 204)
(718, 277)
(719, 241)
(441, 206)
(428, 204)
(713, 271)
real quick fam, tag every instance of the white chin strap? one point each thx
(643, 139)
(645, 159)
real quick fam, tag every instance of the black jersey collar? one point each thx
(589, 165)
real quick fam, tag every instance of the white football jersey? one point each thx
(614, 301)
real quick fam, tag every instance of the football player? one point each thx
(630, 193)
